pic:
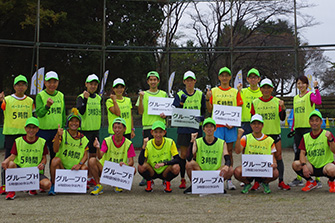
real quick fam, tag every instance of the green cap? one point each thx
(256, 117)
(91, 78)
(209, 121)
(32, 121)
(158, 124)
(20, 78)
(118, 81)
(315, 112)
(153, 74)
(253, 71)
(119, 120)
(225, 69)
(74, 114)
(266, 81)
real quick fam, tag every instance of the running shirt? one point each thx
(302, 108)
(263, 145)
(209, 156)
(16, 112)
(91, 119)
(159, 154)
(248, 95)
(125, 109)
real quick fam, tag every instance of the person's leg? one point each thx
(11, 194)
(147, 172)
(183, 142)
(230, 136)
(48, 135)
(329, 171)
(45, 183)
(310, 183)
(280, 163)
(190, 166)
(146, 134)
(169, 174)
(245, 180)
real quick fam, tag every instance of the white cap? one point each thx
(266, 81)
(118, 81)
(189, 74)
(257, 117)
(91, 78)
(51, 75)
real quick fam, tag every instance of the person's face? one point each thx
(256, 126)
(153, 82)
(209, 129)
(266, 90)
(74, 123)
(224, 78)
(301, 86)
(92, 86)
(31, 130)
(20, 87)
(158, 134)
(189, 83)
(119, 129)
(51, 85)
(253, 79)
(118, 89)
(315, 122)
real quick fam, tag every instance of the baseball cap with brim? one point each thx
(91, 78)
(315, 112)
(225, 69)
(119, 120)
(153, 74)
(189, 74)
(253, 71)
(118, 81)
(209, 121)
(257, 117)
(51, 75)
(32, 121)
(266, 81)
(20, 78)
(158, 124)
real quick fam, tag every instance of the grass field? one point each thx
(138, 206)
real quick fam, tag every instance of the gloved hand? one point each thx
(183, 98)
(199, 119)
(291, 134)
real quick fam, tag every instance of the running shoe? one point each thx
(182, 184)
(149, 187)
(98, 189)
(310, 186)
(241, 184)
(143, 182)
(3, 190)
(283, 186)
(317, 179)
(91, 182)
(230, 185)
(331, 186)
(188, 190)
(52, 190)
(118, 190)
(32, 192)
(10, 195)
(167, 187)
(246, 188)
(295, 183)
(266, 188)
(255, 186)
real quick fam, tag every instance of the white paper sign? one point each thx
(185, 118)
(257, 165)
(223, 114)
(71, 181)
(207, 182)
(21, 179)
(157, 105)
(118, 176)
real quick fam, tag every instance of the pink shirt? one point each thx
(131, 150)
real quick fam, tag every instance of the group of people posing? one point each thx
(73, 141)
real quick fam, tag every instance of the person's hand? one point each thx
(60, 131)
(132, 134)
(306, 171)
(315, 83)
(141, 94)
(113, 97)
(239, 87)
(145, 141)
(228, 126)
(194, 136)
(4, 165)
(41, 166)
(274, 165)
(198, 118)
(49, 102)
(121, 163)
(183, 98)
(162, 115)
(282, 104)
(329, 135)
(2, 96)
(224, 170)
(159, 165)
(76, 167)
(240, 132)
(208, 94)
(291, 134)
(86, 94)
(96, 143)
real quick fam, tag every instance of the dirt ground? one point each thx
(138, 206)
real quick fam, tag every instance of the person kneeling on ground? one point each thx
(29, 151)
(208, 148)
(319, 147)
(155, 158)
(71, 148)
(255, 143)
(115, 148)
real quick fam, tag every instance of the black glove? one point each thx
(183, 98)
(291, 134)
(199, 119)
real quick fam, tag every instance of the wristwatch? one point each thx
(81, 163)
